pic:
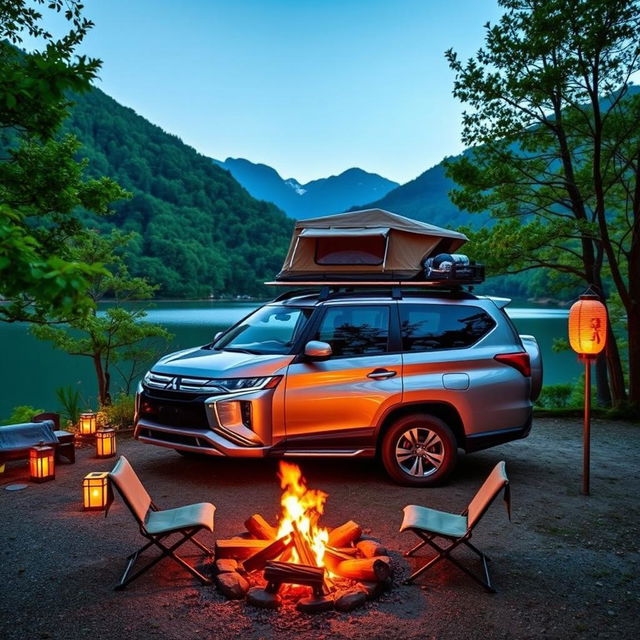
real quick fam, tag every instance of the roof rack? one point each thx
(394, 289)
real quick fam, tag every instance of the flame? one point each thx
(304, 507)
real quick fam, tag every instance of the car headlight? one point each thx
(247, 384)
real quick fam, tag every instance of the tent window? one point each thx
(359, 250)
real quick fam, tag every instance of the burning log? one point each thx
(259, 528)
(370, 548)
(345, 534)
(306, 555)
(275, 549)
(238, 548)
(366, 569)
(277, 573)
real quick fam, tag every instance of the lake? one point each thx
(32, 369)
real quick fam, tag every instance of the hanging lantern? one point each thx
(42, 465)
(95, 490)
(588, 326)
(87, 423)
(105, 443)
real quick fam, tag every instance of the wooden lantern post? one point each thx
(87, 423)
(105, 443)
(588, 337)
(95, 491)
(42, 463)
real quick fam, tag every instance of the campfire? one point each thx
(327, 567)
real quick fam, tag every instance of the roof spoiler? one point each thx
(501, 303)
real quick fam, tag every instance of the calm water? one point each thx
(31, 370)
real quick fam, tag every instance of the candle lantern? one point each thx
(95, 490)
(87, 423)
(42, 466)
(588, 337)
(105, 443)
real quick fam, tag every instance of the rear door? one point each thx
(336, 403)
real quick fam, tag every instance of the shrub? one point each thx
(69, 398)
(119, 414)
(23, 413)
(557, 396)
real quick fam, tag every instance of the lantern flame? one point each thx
(302, 506)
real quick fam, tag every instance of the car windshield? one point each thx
(270, 329)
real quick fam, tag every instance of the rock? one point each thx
(314, 604)
(371, 589)
(232, 585)
(226, 565)
(260, 598)
(349, 600)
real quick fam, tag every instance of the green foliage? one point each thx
(557, 396)
(69, 399)
(200, 232)
(120, 332)
(119, 414)
(23, 413)
(553, 121)
(41, 182)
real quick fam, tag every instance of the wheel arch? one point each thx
(443, 410)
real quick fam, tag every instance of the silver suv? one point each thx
(408, 375)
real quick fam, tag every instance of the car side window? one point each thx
(355, 331)
(440, 326)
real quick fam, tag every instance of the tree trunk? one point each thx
(633, 329)
(614, 364)
(103, 389)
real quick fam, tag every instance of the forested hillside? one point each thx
(200, 232)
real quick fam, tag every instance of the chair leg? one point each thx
(412, 551)
(444, 553)
(164, 552)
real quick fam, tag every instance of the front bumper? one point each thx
(234, 424)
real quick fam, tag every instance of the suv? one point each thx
(411, 376)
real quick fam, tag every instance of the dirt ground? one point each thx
(566, 566)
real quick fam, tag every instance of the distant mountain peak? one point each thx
(334, 194)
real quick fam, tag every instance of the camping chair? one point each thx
(428, 524)
(156, 525)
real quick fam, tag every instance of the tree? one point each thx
(41, 183)
(118, 333)
(553, 120)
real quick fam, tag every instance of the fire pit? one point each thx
(317, 568)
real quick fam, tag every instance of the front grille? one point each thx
(172, 438)
(182, 383)
(185, 414)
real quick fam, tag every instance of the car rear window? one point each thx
(440, 326)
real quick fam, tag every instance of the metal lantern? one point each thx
(42, 464)
(588, 326)
(95, 491)
(588, 337)
(87, 423)
(105, 443)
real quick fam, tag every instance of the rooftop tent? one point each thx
(364, 245)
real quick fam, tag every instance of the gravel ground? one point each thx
(566, 566)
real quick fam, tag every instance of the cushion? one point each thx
(434, 521)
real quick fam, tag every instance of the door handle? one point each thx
(381, 374)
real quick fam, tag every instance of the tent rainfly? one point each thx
(364, 245)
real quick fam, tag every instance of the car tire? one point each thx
(419, 450)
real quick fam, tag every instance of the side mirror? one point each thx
(215, 338)
(317, 350)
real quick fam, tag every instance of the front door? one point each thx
(335, 404)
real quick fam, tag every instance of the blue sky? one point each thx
(308, 87)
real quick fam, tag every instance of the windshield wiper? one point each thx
(255, 353)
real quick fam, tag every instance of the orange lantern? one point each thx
(588, 326)
(95, 490)
(42, 465)
(87, 423)
(105, 443)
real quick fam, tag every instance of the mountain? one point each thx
(426, 198)
(200, 232)
(315, 198)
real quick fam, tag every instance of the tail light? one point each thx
(519, 361)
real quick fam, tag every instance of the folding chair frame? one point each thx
(444, 553)
(165, 551)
